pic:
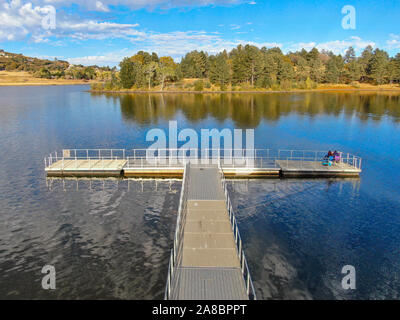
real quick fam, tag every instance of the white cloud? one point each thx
(341, 46)
(301, 45)
(111, 58)
(393, 42)
(18, 19)
(336, 46)
(103, 5)
(174, 44)
(86, 30)
(21, 21)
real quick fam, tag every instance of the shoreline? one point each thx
(397, 90)
(28, 84)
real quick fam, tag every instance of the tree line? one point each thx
(246, 67)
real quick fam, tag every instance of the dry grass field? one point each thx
(18, 78)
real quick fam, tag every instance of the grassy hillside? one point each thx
(48, 69)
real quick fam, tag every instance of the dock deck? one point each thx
(297, 168)
(92, 162)
(86, 167)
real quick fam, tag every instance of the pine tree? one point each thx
(253, 63)
(285, 70)
(365, 62)
(378, 66)
(396, 67)
(350, 55)
(127, 73)
(334, 69)
(239, 65)
(219, 70)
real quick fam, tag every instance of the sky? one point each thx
(103, 32)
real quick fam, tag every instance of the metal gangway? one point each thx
(207, 260)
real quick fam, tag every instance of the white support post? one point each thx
(236, 235)
(243, 261)
(248, 282)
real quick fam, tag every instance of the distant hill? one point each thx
(52, 69)
(18, 62)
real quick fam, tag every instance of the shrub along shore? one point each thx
(98, 87)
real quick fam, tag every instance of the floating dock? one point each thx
(158, 164)
(207, 260)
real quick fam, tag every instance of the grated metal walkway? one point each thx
(209, 265)
(205, 184)
(209, 284)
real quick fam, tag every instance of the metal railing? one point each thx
(238, 241)
(176, 252)
(304, 156)
(229, 158)
(72, 157)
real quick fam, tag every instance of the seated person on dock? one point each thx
(328, 159)
(336, 156)
(328, 155)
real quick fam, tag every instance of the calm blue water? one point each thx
(111, 240)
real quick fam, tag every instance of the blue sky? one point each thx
(104, 31)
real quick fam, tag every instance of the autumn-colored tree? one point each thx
(166, 70)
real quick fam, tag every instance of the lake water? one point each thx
(110, 240)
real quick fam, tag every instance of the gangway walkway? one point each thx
(207, 261)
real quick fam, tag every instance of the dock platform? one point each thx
(299, 168)
(137, 163)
